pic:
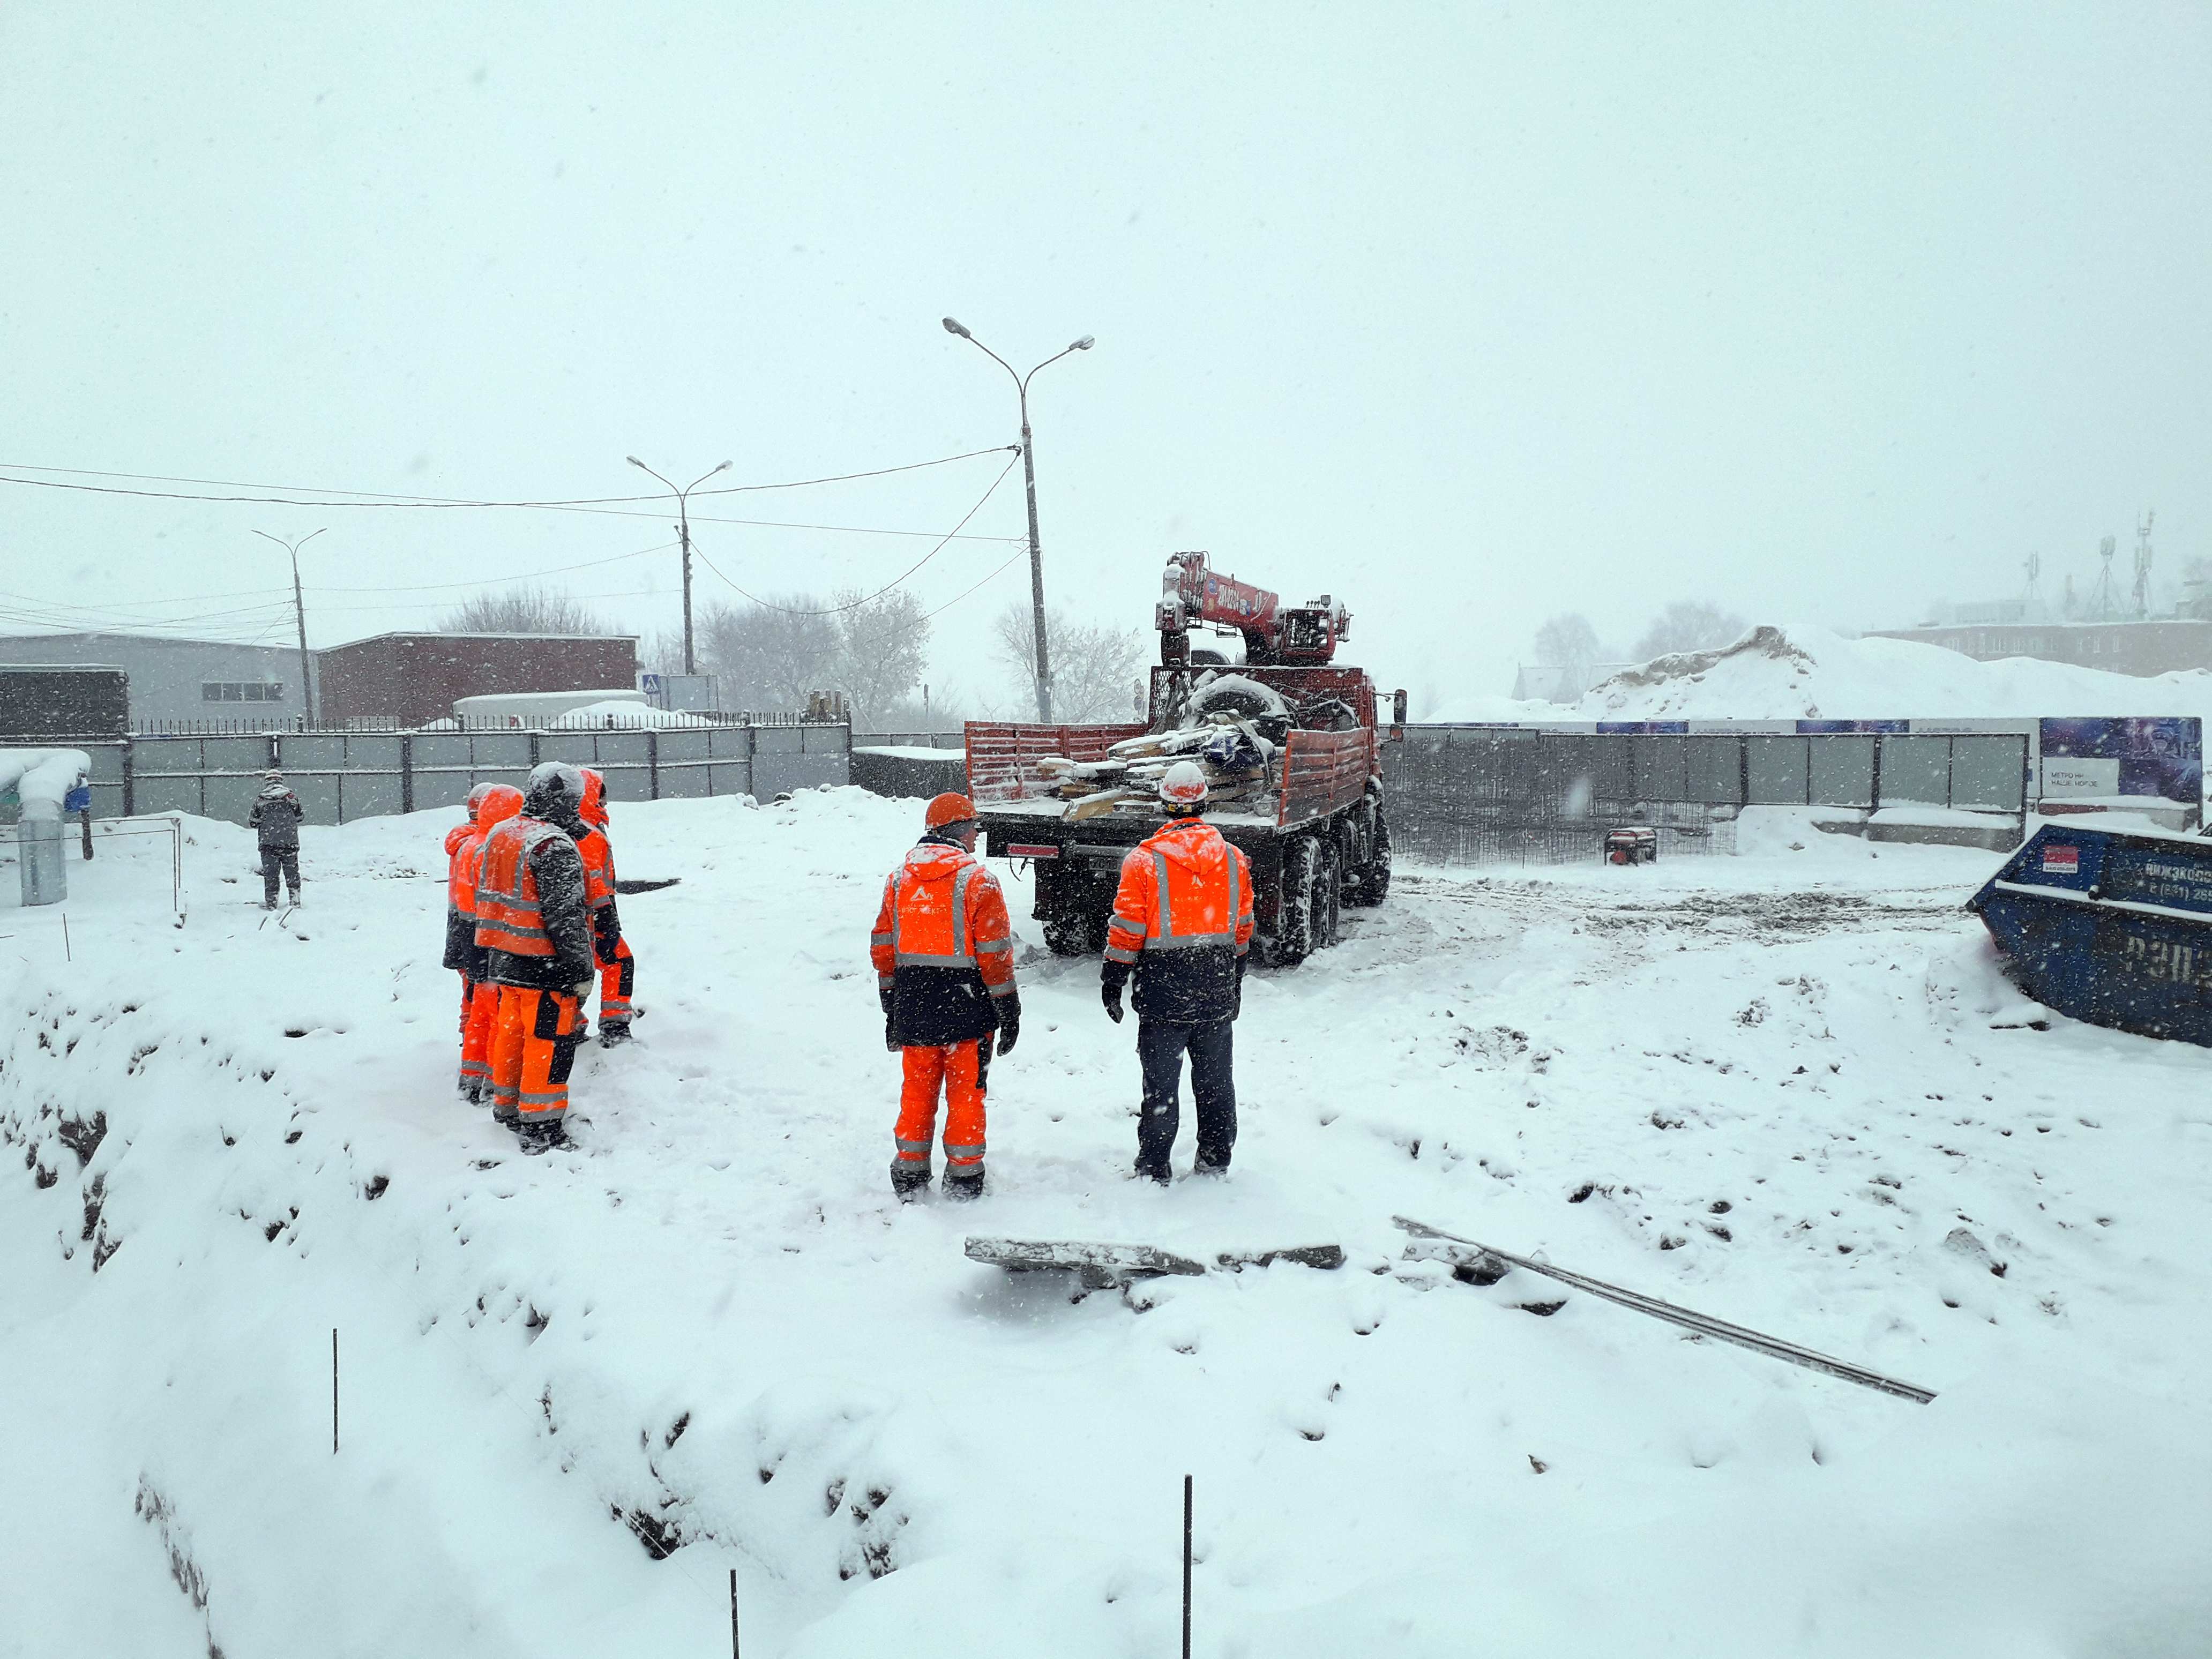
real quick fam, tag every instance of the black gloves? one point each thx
(1112, 976)
(1010, 1023)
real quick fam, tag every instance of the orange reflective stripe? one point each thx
(507, 890)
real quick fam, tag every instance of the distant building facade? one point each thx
(179, 681)
(2142, 648)
(412, 679)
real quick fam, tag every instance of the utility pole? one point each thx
(299, 615)
(683, 535)
(1029, 473)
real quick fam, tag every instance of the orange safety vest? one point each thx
(943, 909)
(506, 888)
(1183, 889)
(461, 844)
(598, 869)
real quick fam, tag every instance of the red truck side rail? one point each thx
(1002, 755)
(1323, 771)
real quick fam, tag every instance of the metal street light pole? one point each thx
(1029, 473)
(684, 534)
(299, 614)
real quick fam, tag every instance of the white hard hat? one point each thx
(1184, 784)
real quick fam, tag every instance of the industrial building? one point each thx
(2144, 649)
(411, 679)
(174, 682)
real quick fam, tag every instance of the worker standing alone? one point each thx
(942, 949)
(618, 966)
(1183, 923)
(534, 926)
(275, 821)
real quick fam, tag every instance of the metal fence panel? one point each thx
(1915, 770)
(1842, 768)
(1663, 770)
(1990, 772)
(1779, 768)
(1715, 768)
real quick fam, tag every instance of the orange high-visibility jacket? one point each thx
(1183, 914)
(943, 946)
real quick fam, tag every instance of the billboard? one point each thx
(2115, 758)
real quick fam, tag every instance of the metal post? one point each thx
(1036, 565)
(733, 1614)
(1186, 1567)
(683, 533)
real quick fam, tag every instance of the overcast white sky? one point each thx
(1466, 314)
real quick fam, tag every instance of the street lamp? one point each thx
(299, 614)
(683, 533)
(1029, 472)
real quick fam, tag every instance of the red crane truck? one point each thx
(1307, 807)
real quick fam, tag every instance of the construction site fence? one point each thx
(343, 775)
(1488, 795)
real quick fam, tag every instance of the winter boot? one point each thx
(1160, 1174)
(910, 1181)
(541, 1138)
(1206, 1166)
(613, 1032)
(963, 1186)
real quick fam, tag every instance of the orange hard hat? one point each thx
(949, 809)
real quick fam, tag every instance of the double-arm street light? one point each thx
(684, 534)
(299, 614)
(1029, 472)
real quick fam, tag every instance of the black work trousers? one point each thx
(276, 860)
(1161, 1045)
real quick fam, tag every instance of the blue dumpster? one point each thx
(2110, 926)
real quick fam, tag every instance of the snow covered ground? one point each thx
(1789, 1089)
(1804, 672)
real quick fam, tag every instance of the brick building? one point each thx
(411, 679)
(2142, 648)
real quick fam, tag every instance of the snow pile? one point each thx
(1792, 1090)
(1803, 672)
(41, 779)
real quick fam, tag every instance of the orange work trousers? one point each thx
(533, 1044)
(479, 1006)
(964, 1071)
(618, 979)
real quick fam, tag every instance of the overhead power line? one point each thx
(835, 610)
(289, 495)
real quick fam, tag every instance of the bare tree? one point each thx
(1095, 667)
(770, 656)
(1688, 625)
(883, 647)
(1567, 641)
(525, 608)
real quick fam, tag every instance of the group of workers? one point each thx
(531, 923)
(530, 926)
(943, 950)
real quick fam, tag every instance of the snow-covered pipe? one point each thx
(41, 780)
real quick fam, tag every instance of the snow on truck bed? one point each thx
(1788, 1089)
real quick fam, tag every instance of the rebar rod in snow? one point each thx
(733, 1614)
(1186, 1567)
(334, 1391)
(1703, 1324)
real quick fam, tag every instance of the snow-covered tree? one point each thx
(1095, 668)
(525, 608)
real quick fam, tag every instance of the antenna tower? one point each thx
(2142, 564)
(2101, 596)
(2032, 604)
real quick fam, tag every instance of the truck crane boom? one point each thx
(1274, 633)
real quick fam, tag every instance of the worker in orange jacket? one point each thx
(1183, 923)
(489, 805)
(618, 966)
(944, 949)
(533, 925)
(461, 843)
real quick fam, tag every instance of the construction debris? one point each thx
(1103, 1266)
(1484, 1265)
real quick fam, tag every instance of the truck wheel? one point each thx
(1295, 941)
(1372, 885)
(1068, 936)
(1329, 900)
